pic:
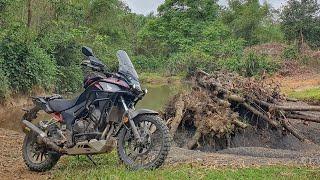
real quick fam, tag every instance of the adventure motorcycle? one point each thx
(96, 121)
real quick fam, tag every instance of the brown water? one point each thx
(156, 98)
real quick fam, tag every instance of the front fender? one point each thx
(142, 112)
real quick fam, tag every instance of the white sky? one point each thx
(147, 6)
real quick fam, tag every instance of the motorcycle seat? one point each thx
(59, 105)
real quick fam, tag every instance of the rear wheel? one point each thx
(36, 156)
(154, 148)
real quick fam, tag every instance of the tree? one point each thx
(179, 26)
(301, 21)
(244, 17)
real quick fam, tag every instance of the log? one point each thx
(261, 115)
(194, 140)
(287, 108)
(239, 124)
(293, 131)
(179, 106)
(303, 117)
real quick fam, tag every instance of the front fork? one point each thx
(131, 122)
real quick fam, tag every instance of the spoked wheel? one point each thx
(151, 152)
(36, 155)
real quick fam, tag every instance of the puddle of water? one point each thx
(156, 99)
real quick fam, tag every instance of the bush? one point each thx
(26, 64)
(291, 52)
(251, 65)
(255, 64)
(148, 64)
(189, 62)
(69, 79)
(4, 83)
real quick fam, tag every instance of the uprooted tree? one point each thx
(222, 102)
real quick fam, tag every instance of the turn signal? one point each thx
(125, 119)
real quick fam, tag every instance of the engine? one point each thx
(84, 129)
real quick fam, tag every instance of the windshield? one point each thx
(125, 65)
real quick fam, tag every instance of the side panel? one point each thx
(109, 87)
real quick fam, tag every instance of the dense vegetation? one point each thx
(40, 40)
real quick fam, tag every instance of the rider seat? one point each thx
(59, 105)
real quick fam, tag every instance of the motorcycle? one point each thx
(98, 120)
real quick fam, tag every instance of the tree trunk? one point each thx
(29, 7)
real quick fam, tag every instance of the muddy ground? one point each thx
(12, 166)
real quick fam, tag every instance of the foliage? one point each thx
(291, 52)
(245, 18)
(26, 64)
(301, 21)
(4, 83)
(184, 35)
(251, 65)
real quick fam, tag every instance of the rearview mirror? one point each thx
(87, 51)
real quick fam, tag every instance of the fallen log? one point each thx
(303, 117)
(293, 131)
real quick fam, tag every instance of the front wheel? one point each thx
(154, 147)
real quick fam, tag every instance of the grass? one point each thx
(109, 168)
(312, 94)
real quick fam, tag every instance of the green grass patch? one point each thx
(110, 168)
(312, 94)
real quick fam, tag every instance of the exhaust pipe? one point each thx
(43, 136)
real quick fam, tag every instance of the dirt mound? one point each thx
(226, 110)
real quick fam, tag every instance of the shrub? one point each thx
(291, 52)
(189, 62)
(4, 83)
(255, 64)
(69, 79)
(25, 63)
(251, 64)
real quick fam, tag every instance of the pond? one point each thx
(155, 99)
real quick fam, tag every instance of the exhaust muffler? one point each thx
(43, 136)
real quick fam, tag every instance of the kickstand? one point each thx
(90, 158)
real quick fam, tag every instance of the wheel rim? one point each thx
(37, 153)
(142, 154)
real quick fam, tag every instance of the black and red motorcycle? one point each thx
(99, 119)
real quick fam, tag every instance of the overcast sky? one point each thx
(147, 6)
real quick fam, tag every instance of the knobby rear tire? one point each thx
(161, 155)
(46, 165)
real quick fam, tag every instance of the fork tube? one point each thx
(133, 126)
